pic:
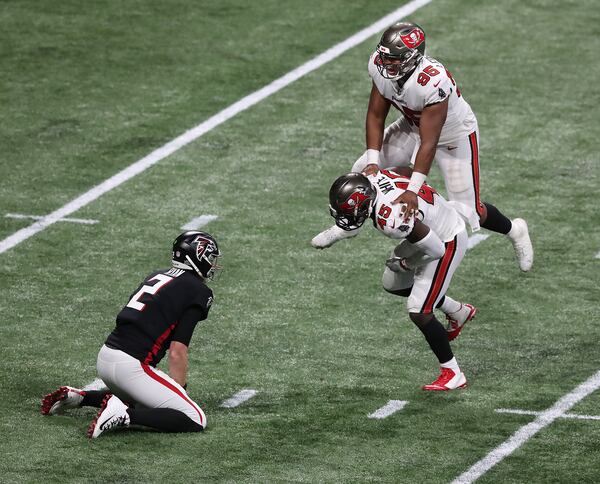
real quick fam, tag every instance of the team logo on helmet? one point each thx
(355, 200)
(201, 247)
(414, 38)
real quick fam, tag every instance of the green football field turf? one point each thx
(89, 88)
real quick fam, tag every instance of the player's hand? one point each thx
(370, 169)
(409, 199)
(398, 264)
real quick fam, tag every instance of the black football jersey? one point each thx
(165, 307)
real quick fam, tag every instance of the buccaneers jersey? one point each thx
(165, 307)
(434, 210)
(430, 83)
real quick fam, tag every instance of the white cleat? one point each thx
(330, 236)
(519, 236)
(61, 399)
(112, 414)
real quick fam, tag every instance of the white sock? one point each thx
(452, 364)
(450, 305)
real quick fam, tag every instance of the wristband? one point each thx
(372, 157)
(416, 180)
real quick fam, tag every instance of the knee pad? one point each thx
(395, 281)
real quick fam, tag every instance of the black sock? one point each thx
(437, 337)
(496, 221)
(165, 419)
(93, 398)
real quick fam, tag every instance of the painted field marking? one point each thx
(598, 255)
(86, 221)
(239, 398)
(388, 409)
(194, 133)
(476, 239)
(545, 418)
(533, 412)
(199, 222)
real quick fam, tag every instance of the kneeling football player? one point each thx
(161, 315)
(433, 243)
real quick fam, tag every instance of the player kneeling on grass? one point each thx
(161, 314)
(434, 242)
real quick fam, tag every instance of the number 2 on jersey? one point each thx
(145, 289)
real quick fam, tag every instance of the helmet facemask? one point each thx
(396, 67)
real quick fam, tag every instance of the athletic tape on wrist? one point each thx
(372, 157)
(416, 180)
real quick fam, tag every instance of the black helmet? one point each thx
(400, 49)
(196, 251)
(351, 198)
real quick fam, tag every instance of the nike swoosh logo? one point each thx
(436, 84)
(450, 148)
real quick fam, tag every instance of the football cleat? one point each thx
(457, 320)
(112, 414)
(519, 236)
(448, 380)
(61, 399)
(330, 236)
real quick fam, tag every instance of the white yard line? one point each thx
(533, 412)
(86, 221)
(199, 222)
(239, 398)
(598, 255)
(211, 123)
(526, 432)
(388, 409)
(476, 239)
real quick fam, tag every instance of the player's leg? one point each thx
(430, 285)
(166, 405)
(67, 397)
(459, 163)
(398, 149)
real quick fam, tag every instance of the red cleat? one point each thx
(61, 399)
(448, 380)
(457, 321)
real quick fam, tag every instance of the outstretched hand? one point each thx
(409, 199)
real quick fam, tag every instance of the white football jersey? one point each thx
(430, 83)
(434, 210)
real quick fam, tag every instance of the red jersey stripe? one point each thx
(440, 276)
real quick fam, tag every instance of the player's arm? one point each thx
(431, 123)
(178, 362)
(178, 350)
(430, 248)
(377, 112)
